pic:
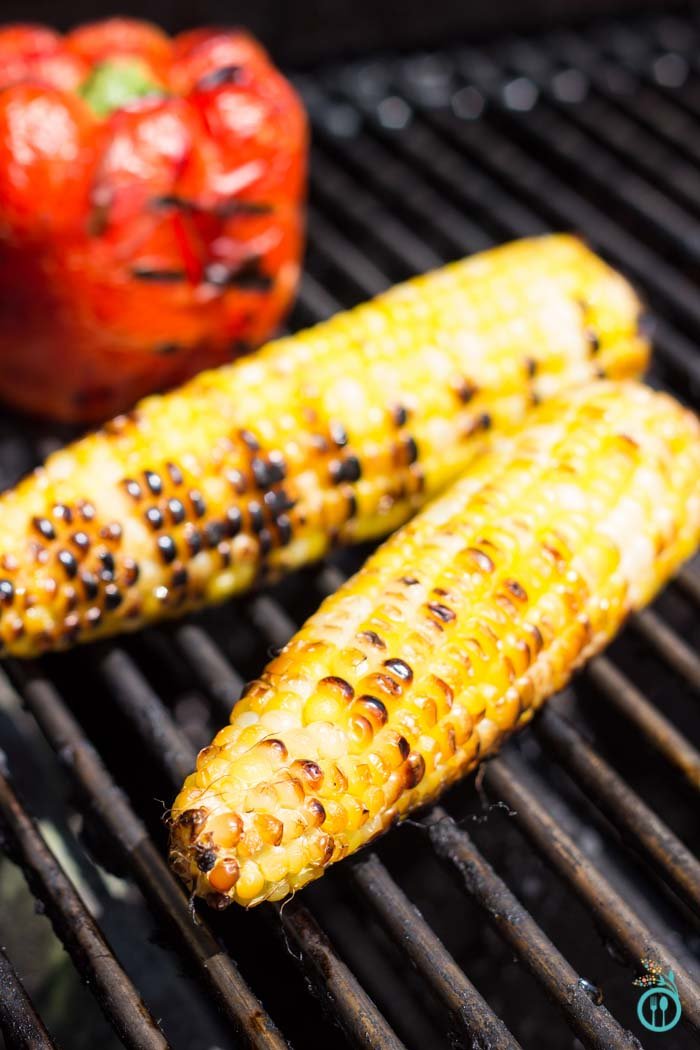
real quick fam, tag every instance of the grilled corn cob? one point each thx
(334, 435)
(448, 639)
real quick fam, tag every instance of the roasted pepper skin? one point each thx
(451, 637)
(140, 245)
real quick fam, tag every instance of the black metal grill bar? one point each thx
(629, 125)
(667, 644)
(332, 187)
(377, 162)
(581, 132)
(430, 957)
(658, 731)
(675, 113)
(221, 682)
(449, 144)
(143, 859)
(337, 983)
(592, 1023)
(535, 181)
(689, 582)
(91, 955)
(505, 781)
(146, 711)
(391, 176)
(637, 822)
(20, 1024)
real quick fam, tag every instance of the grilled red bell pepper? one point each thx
(151, 210)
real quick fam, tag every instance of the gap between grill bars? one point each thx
(417, 160)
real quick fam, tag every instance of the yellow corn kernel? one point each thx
(334, 435)
(552, 587)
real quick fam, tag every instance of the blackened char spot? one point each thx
(593, 340)
(180, 576)
(63, 513)
(400, 668)
(222, 209)
(248, 275)
(206, 860)
(214, 533)
(154, 518)
(334, 682)
(517, 590)
(442, 612)
(132, 487)
(44, 527)
(193, 539)
(339, 434)
(257, 519)
(113, 596)
(107, 560)
(175, 473)
(348, 469)
(167, 549)
(150, 273)
(284, 529)
(68, 562)
(230, 74)
(404, 747)
(153, 481)
(278, 501)
(90, 583)
(411, 449)
(376, 707)
(249, 439)
(227, 209)
(373, 638)
(233, 521)
(177, 511)
(198, 504)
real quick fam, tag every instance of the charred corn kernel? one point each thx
(570, 569)
(335, 435)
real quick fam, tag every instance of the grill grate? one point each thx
(418, 159)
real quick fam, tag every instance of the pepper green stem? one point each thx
(114, 83)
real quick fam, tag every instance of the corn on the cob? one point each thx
(331, 436)
(449, 638)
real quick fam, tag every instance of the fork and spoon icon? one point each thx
(658, 1003)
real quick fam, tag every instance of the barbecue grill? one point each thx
(518, 911)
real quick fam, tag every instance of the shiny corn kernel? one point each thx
(225, 829)
(224, 875)
(251, 881)
(336, 818)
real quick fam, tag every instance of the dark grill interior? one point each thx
(542, 884)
